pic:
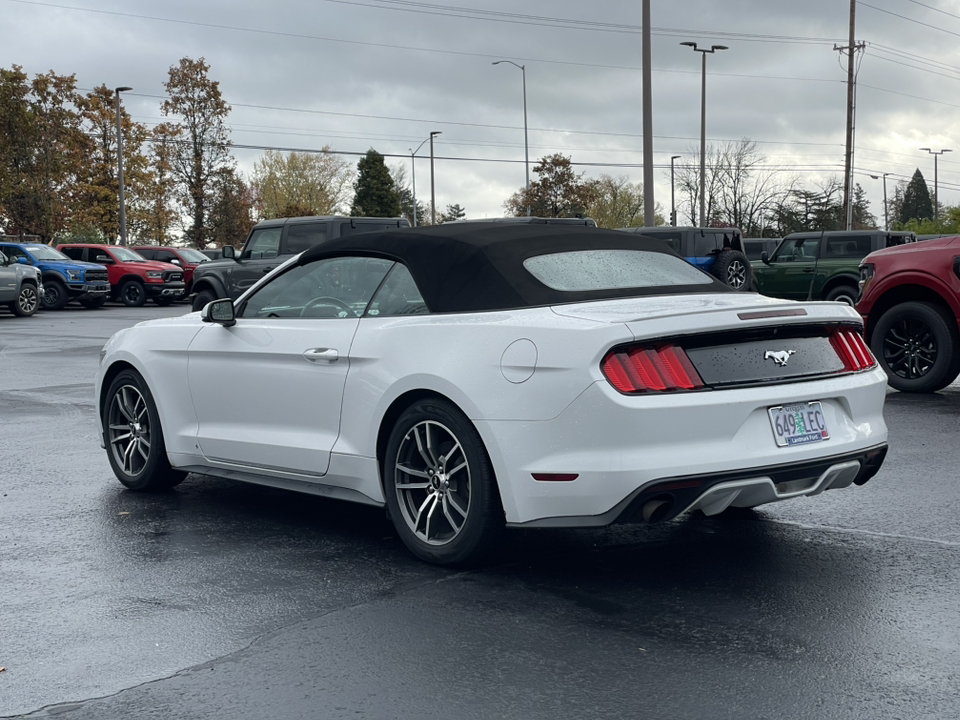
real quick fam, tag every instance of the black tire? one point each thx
(846, 294)
(133, 294)
(27, 302)
(733, 268)
(55, 296)
(468, 494)
(163, 301)
(918, 346)
(93, 303)
(130, 422)
(201, 299)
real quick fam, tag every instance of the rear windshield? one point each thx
(590, 270)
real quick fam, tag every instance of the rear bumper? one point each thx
(620, 446)
(712, 494)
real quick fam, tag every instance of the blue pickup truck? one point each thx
(63, 279)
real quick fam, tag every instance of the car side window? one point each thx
(706, 244)
(302, 237)
(398, 295)
(148, 253)
(14, 252)
(73, 253)
(164, 256)
(100, 256)
(798, 250)
(338, 287)
(264, 243)
(856, 246)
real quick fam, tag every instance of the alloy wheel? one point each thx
(736, 274)
(910, 348)
(27, 300)
(129, 429)
(132, 293)
(51, 294)
(432, 482)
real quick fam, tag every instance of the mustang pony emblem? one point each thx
(780, 357)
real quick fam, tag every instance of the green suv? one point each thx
(821, 265)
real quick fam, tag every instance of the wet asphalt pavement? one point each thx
(225, 600)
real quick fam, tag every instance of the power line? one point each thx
(908, 19)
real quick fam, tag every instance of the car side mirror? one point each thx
(229, 251)
(175, 261)
(220, 312)
(764, 258)
(22, 260)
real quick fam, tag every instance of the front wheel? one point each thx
(55, 295)
(202, 299)
(27, 302)
(439, 485)
(133, 294)
(133, 436)
(918, 346)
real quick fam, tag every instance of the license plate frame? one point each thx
(800, 423)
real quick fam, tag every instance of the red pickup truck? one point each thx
(132, 277)
(910, 303)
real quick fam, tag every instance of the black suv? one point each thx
(718, 251)
(270, 243)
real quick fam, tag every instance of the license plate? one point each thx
(798, 424)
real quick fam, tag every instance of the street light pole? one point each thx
(413, 176)
(936, 203)
(526, 144)
(886, 222)
(673, 206)
(123, 209)
(703, 122)
(433, 193)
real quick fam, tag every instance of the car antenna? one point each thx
(816, 261)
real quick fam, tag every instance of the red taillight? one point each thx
(650, 369)
(851, 348)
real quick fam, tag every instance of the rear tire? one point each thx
(134, 438)
(201, 299)
(846, 294)
(55, 296)
(439, 485)
(27, 302)
(733, 268)
(918, 346)
(133, 294)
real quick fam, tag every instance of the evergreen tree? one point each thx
(375, 192)
(453, 212)
(916, 200)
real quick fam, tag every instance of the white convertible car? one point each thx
(476, 376)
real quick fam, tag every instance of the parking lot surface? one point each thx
(225, 600)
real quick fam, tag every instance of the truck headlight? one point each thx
(866, 275)
(75, 275)
(154, 275)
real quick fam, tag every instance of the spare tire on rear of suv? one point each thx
(732, 268)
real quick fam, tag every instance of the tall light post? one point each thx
(703, 122)
(673, 205)
(123, 209)
(886, 222)
(413, 175)
(935, 153)
(526, 145)
(433, 193)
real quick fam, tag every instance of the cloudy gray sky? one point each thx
(356, 74)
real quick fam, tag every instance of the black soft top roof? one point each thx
(474, 267)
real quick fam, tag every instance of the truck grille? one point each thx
(95, 276)
(171, 276)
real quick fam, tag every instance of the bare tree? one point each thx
(743, 190)
(619, 203)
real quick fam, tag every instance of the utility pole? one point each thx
(936, 201)
(673, 204)
(851, 49)
(433, 190)
(648, 202)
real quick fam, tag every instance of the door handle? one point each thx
(808, 270)
(321, 355)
